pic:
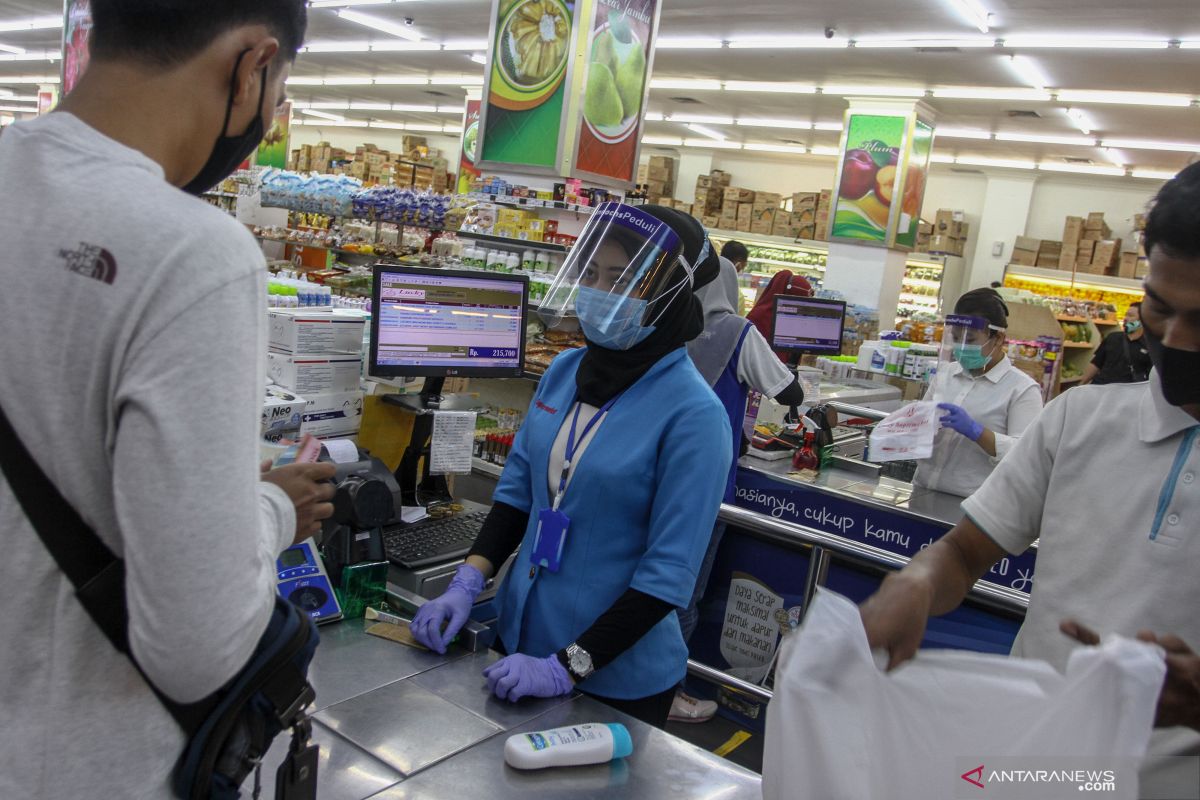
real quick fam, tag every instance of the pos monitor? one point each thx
(442, 323)
(808, 325)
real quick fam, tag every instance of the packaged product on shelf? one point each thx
(325, 374)
(300, 332)
(332, 414)
(281, 414)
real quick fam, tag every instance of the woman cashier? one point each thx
(782, 283)
(613, 483)
(988, 403)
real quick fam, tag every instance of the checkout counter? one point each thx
(395, 723)
(844, 529)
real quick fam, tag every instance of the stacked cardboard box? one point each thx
(946, 234)
(314, 361)
(1025, 251)
(710, 194)
(821, 222)
(658, 176)
(804, 214)
(763, 212)
(1048, 254)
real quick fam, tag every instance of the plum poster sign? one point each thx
(620, 51)
(467, 171)
(524, 93)
(868, 177)
(913, 193)
(77, 29)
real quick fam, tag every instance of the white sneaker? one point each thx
(685, 708)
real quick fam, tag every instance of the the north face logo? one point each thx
(91, 261)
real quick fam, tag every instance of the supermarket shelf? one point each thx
(1078, 345)
(504, 240)
(338, 250)
(922, 282)
(529, 202)
(789, 264)
(1108, 323)
(1087, 281)
(486, 467)
(1098, 322)
(1064, 318)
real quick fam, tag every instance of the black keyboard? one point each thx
(432, 541)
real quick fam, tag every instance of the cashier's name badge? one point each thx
(550, 538)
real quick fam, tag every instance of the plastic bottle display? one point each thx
(590, 743)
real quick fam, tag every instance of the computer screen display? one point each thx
(447, 323)
(809, 325)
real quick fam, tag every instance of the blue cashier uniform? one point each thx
(642, 502)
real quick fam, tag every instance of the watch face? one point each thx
(581, 662)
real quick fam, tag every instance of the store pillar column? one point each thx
(1005, 214)
(878, 192)
(691, 166)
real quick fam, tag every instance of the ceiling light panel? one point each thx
(873, 91)
(714, 143)
(702, 118)
(991, 93)
(687, 43)
(1081, 169)
(775, 148)
(1082, 41)
(1125, 98)
(465, 44)
(974, 12)
(980, 161)
(789, 42)
(322, 114)
(32, 23)
(778, 87)
(1028, 71)
(669, 141)
(709, 132)
(1151, 144)
(1037, 138)
(962, 133)
(685, 83)
(790, 124)
(1153, 174)
(925, 42)
(825, 151)
(8, 48)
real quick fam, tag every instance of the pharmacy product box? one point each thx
(282, 414)
(314, 375)
(303, 332)
(336, 414)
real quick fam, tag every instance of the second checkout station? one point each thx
(399, 722)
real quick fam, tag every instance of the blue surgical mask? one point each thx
(1132, 327)
(610, 320)
(970, 356)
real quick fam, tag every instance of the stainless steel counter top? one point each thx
(397, 723)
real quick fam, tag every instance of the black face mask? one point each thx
(230, 151)
(1178, 371)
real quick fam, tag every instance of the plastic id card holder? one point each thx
(550, 538)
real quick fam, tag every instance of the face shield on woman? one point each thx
(968, 344)
(619, 277)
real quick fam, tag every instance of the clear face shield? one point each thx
(968, 345)
(619, 277)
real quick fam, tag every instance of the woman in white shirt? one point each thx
(988, 402)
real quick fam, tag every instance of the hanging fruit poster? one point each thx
(868, 177)
(273, 149)
(913, 193)
(467, 171)
(620, 54)
(77, 28)
(524, 89)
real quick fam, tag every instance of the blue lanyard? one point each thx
(569, 456)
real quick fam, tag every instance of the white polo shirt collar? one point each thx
(1158, 419)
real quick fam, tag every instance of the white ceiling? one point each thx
(1172, 70)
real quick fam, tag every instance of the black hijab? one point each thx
(604, 373)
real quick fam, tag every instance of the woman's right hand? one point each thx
(452, 609)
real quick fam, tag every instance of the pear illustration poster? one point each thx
(620, 48)
(525, 91)
(868, 177)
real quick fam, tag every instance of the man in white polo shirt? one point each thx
(1106, 477)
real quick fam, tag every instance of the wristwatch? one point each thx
(577, 661)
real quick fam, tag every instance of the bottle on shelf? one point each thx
(528, 261)
(512, 264)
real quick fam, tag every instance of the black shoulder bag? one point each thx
(230, 730)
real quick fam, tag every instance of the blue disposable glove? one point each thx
(453, 605)
(957, 419)
(517, 676)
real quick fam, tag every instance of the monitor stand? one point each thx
(414, 487)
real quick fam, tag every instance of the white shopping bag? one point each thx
(905, 434)
(952, 724)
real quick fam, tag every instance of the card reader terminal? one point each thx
(303, 581)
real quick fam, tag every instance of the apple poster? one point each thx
(868, 177)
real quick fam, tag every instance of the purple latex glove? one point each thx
(453, 605)
(517, 676)
(957, 419)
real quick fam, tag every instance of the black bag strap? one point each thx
(96, 573)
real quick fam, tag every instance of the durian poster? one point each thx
(620, 50)
(531, 44)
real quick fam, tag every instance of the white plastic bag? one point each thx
(841, 727)
(906, 434)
